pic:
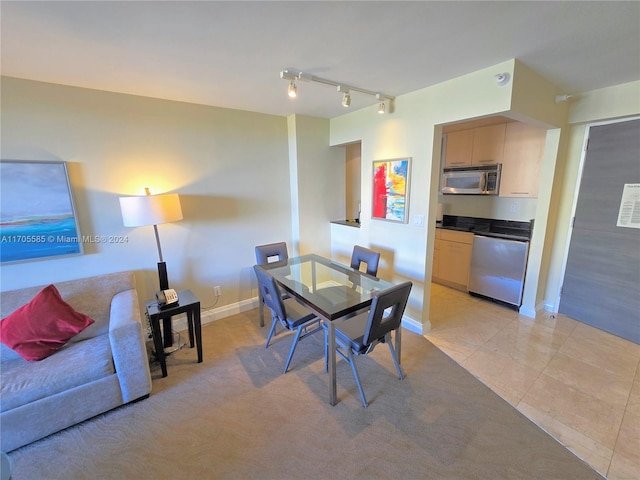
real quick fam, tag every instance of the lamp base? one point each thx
(162, 275)
(164, 285)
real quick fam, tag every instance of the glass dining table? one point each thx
(332, 291)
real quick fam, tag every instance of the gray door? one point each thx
(602, 278)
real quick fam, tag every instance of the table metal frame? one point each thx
(289, 274)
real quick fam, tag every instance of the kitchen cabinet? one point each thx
(435, 267)
(452, 258)
(459, 148)
(488, 144)
(475, 146)
(523, 149)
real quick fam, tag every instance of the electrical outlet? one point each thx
(217, 290)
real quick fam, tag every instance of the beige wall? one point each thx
(247, 178)
(230, 168)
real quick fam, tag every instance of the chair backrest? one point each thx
(370, 257)
(386, 312)
(270, 292)
(271, 252)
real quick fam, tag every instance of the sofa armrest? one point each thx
(128, 346)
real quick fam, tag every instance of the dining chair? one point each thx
(288, 312)
(360, 334)
(271, 252)
(365, 255)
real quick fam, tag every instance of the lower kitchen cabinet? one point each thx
(452, 258)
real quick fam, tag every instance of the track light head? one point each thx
(346, 100)
(562, 98)
(381, 108)
(293, 90)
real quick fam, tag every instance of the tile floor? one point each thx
(578, 383)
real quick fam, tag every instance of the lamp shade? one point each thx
(150, 209)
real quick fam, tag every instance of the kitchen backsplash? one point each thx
(521, 209)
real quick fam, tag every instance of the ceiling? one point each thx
(230, 54)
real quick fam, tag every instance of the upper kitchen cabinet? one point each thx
(523, 148)
(459, 148)
(475, 146)
(488, 144)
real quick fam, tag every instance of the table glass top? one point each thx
(331, 288)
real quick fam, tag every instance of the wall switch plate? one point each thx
(513, 207)
(418, 220)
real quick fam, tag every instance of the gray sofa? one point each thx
(101, 368)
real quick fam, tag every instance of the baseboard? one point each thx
(527, 312)
(213, 314)
(413, 325)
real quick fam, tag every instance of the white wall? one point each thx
(318, 184)
(230, 168)
(414, 131)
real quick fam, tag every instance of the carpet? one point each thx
(236, 416)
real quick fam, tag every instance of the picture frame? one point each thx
(390, 190)
(38, 218)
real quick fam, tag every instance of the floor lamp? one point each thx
(153, 210)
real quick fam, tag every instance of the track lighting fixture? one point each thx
(293, 90)
(346, 90)
(563, 98)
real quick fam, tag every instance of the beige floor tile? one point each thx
(597, 382)
(580, 384)
(555, 321)
(622, 468)
(595, 418)
(602, 350)
(531, 344)
(584, 447)
(509, 379)
(633, 405)
(454, 349)
(628, 443)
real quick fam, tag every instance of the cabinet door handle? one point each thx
(519, 193)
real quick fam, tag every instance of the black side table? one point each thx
(187, 303)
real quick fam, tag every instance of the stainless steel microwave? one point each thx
(484, 180)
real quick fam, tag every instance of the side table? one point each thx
(187, 303)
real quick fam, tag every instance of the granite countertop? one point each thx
(348, 223)
(509, 229)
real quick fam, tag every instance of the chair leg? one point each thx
(294, 344)
(326, 349)
(272, 330)
(261, 308)
(352, 362)
(394, 356)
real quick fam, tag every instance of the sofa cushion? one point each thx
(42, 326)
(76, 364)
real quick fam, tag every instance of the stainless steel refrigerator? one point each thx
(498, 266)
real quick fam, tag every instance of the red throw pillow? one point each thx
(42, 326)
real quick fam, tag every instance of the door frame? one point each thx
(574, 203)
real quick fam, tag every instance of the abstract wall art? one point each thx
(390, 189)
(37, 213)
